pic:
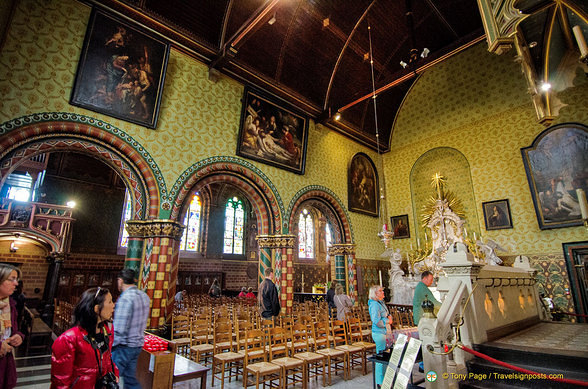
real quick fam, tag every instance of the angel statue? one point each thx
(489, 250)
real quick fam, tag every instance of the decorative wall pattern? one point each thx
(553, 279)
(198, 118)
(483, 111)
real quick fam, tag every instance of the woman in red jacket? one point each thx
(81, 356)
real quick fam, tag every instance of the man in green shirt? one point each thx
(422, 290)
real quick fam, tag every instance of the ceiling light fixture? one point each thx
(272, 20)
(545, 86)
(71, 204)
(337, 116)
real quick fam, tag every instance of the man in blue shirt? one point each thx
(130, 320)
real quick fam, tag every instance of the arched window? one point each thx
(191, 238)
(234, 226)
(305, 235)
(328, 235)
(124, 236)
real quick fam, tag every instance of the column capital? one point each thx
(341, 249)
(56, 257)
(276, 241)
(154, 228)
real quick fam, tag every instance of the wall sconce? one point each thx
(13, 247)
(272, 20)
(337, 116)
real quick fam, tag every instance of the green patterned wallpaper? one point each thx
(198, 119)
(477, 103)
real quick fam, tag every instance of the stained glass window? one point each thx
(124, 236)
(305, 235)
(191, 238)
(234, 226)
(328, 235)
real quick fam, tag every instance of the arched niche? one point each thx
(452, 164)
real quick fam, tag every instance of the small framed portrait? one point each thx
(497, 214)
(272, 132)
(64, 280)
(188, 281)
(121, 70)
(400, 227)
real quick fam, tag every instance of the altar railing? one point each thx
(481, 303)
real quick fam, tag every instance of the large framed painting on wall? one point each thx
(272, 132)
(556, 165)
(121, 70)
(362, 185)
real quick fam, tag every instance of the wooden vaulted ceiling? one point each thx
(315, 54)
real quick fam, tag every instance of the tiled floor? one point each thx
(34, 373)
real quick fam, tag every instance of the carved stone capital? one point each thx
(154, 228)
(342, 249)
(276, 241)
(56, 257)
(462, 270)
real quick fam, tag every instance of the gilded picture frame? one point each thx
(362, 185)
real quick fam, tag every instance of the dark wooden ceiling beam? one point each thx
(442, 18)
(254, 23)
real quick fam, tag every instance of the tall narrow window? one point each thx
(305, 235)
(234, 225)
(191, 238)
(328, 235)
(124, 236)
(19, 186)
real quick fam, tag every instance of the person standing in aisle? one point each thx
(130, 321)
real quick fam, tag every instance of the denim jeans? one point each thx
(380, 341)
(125, 359)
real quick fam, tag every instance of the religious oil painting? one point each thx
(121, 70)
(557, 165)
(362, 185)
(272, 132)
(497, 214)
(399, 224)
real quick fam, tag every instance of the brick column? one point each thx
(280, 249)
(158, 270)
(345, 273)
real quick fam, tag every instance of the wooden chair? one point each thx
(279, 354)
(199, 346)
(255, 351)
(355, 338)
(300, 349)
(224, 356)
(180, 334)
(336, 359)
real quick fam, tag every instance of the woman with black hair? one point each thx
(81, 356)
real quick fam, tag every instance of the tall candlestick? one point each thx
(418, 243)
(465, 232)
(410, 246)
(581, 41)
(380, 273)
(474, 236)
(583, 203)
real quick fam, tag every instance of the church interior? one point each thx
(210, 140)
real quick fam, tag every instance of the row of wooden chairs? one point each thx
(236, 349)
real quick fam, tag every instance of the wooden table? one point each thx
(185, 370)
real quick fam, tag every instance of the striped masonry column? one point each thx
(135, 245)
(340, 252)
(285, 247)
(278, 270)
(352, 275)
(289, 281)
(265, 255)
(159, 267)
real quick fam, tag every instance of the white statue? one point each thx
(489, 249)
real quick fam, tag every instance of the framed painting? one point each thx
(497, 214)
(272, 132)
(400, 226)
(362, 185)
(121, 70)
(556, 164)
(576, 256)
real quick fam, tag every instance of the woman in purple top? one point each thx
(9, 334)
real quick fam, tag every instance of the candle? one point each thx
(302, 278)
(327, 278)
(410, 246)
(418, 243)
(474, 236)
(583, 203)
(380, 273)
(426, 238)
(465, 232)
(581, 41)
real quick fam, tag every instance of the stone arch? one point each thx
(26, 137)
(259, 190)
(328, 203)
